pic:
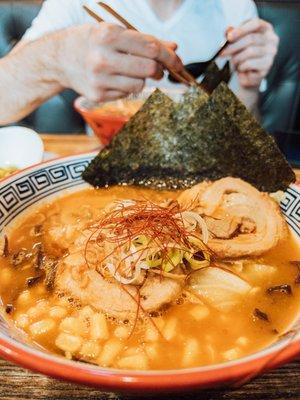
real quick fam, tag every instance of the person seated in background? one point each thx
(65, 49)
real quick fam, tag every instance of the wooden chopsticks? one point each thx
(117, 16)
(184, 76)
(92, 13)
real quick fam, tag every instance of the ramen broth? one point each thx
(123, 107)
(187, 333)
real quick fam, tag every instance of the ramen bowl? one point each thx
(30, 188)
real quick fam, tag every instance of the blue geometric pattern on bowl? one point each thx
(290, 207)
(24, 189)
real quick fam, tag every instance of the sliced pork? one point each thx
(86, 285)
(250, 224)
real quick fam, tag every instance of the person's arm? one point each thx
(252, 51)
(28, 77)
(101, 62)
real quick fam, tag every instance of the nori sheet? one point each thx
(142, 149)
(169, 145)
(261, 162)
(213, 76)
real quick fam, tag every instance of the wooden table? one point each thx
(17, 383)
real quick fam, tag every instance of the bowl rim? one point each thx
(155, 381)
(234, 372)
(91, 113)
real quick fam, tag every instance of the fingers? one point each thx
(252, 50)
(254, 64)
(111, 87)
(250, 79)
(253, 39)
(248, 54)
(110, 62)
(135, 67)
(147, 46)
(171, 45)
(101, 95)
(120, 83)
(252, 26)
(108, 95)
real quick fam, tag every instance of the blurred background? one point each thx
(279, 104)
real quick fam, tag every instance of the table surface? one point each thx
(17, 383)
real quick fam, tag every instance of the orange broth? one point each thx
(190, 332)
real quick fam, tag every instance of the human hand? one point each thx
(253, 47)
(107, 62)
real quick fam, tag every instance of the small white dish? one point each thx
(20, 147)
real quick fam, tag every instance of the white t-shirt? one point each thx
(197, 26)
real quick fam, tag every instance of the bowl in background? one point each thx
(20, 147)
(29, 189)
(108, 118)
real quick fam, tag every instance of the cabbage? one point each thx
(220, 289)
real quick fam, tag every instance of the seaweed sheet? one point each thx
(169, 145)
(142, 149)
(260, 161)
(213, 76)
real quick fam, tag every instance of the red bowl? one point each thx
(105, 126)
(232, 374)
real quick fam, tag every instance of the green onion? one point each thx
(141, 240)
(174, 258)
(197, 264)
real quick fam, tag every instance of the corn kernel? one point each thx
(90, 349)
(151, 334)
(24, 299)
(67, 342)
(42, 327)
(121, 332)
(110, 351)
(57, 312)
(73, 326)
(190, 352)
(169, 331)
(130, 351)
(199, 312)
(99, 328)
(22, 321)
(231, 354)
(35, 312)
(138, 362)
(151, 351)
(86, 312)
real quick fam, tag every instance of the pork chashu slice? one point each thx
(121, 301)
(257, 224)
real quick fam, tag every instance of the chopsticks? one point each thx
(117, 16)
(184, 76)
(92, 13)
